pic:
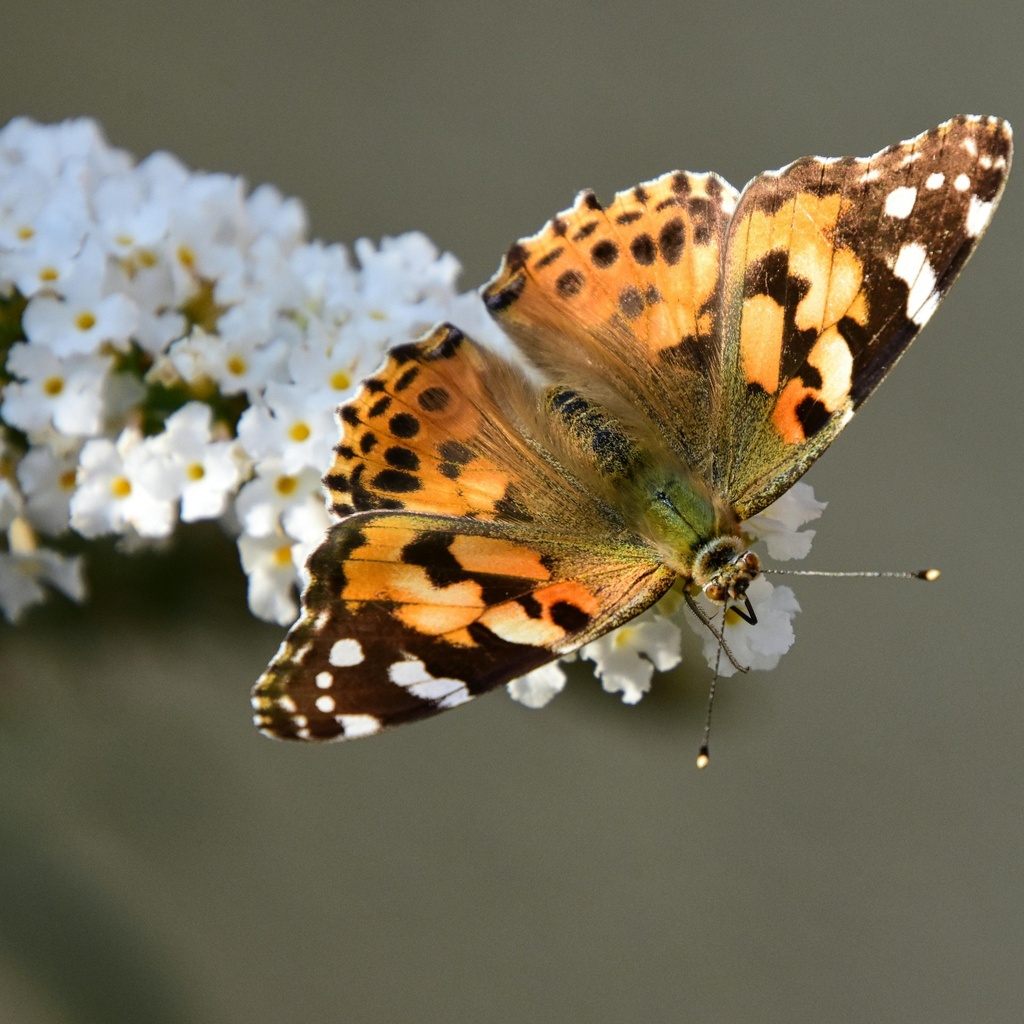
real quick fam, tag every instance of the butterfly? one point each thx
(690, 350)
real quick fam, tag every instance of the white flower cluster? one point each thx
(173, 349)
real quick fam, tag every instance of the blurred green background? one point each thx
(855, 851)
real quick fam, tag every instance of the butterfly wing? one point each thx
(464, 559)
(408, 614)
(831, 269)
(625, 301)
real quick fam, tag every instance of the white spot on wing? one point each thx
(962, 183)
(913, 267)
(935, 180)
(978, 214)
(324, 680)
(873, 175)
(325, 704)
(900, 201)
(358, 725)
(413, 676)
(971, 146)
(346, 653)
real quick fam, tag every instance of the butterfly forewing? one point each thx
(831, 269)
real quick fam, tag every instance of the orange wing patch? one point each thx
(415, 436)
(647, 266)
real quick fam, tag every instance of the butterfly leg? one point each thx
(748, 614)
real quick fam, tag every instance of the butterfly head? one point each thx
(724, 569)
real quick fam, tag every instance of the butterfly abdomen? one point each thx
(596, 436)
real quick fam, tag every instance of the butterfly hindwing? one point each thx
(407, 615)
(831, 269)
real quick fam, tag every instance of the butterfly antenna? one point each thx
(703, 757)
(921, 574)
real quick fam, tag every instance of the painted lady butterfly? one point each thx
(701, 348)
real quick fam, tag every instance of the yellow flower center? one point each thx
(237, 365)
(340, 380)
(283, 555)
(53, 386)
(195, 471)
(299, 432)
(286, 485)
(85, 321)
(120, 487)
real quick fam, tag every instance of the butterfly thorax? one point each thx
(695, 535)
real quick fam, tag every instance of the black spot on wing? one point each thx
(569, 617)
(812, 416)
(672, 240)
(402, 458)
(407, 378)
(569, 284)
(644, 251)
(604, 253)
(396, 481)
(404, 425)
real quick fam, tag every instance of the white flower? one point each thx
(210, 470)
(47, 479)
(65, 393)
(753, 646)
(779, 523)
(625, 658)
(296, 425)
(270, 565)
(122, 485)
(128, 223)
(84, 317)
(262, 501)
(537, 688)
(235, 363)
(23, 574)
